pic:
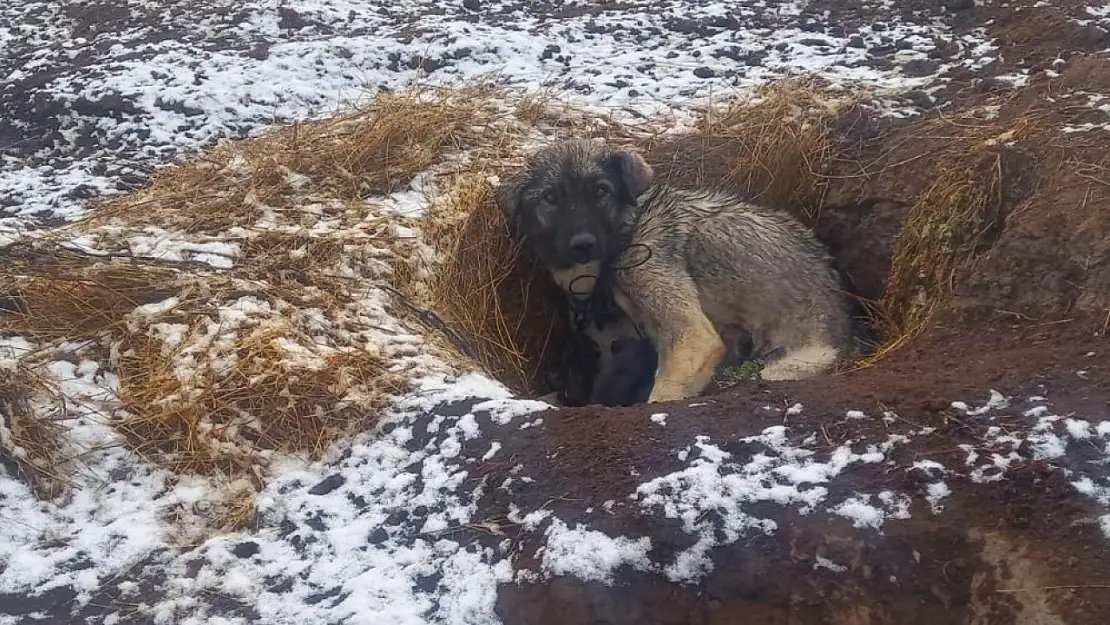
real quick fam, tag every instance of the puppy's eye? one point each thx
(601, 191)
(615, 346)
(549, 197)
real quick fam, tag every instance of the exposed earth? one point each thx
(962, 478)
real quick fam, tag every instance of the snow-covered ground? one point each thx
(97, 94)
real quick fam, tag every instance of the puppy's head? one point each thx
(571, 199)
(625, 367)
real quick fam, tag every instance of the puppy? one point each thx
(684, 265)
(626, 363)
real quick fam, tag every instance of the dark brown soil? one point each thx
(1025, 551)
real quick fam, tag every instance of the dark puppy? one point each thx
(626, 362)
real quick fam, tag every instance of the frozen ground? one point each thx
(97, 94)
(395, 528)
(398, 527)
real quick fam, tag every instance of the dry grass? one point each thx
(491, 289)
(237, 511)
(939, 237)
(540, 108)
(945, 228)
(374, 150)
(69, 296)
(294, 201)
(774, 145)
(295, 260)
(219, 418)
(29, 440)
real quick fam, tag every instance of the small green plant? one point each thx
(731, 375)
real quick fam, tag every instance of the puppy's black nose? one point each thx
(583, 243)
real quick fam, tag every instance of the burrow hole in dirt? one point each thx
(858, 237)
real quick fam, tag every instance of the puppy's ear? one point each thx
(507, 196)
(633, 172)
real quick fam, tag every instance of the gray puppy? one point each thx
(686, 266)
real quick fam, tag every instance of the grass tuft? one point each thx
(30, 442)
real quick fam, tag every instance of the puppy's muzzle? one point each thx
(583, 245)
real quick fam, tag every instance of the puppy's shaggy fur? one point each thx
(685, 266)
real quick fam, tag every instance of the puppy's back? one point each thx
(758, 267)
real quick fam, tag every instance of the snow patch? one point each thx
(711, 496)
(590, 555)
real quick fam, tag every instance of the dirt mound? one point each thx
(1022, 550)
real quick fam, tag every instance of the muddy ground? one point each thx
(1025, 551)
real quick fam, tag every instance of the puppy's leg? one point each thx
(688, 345)
(551, 398)
(802, 362)
(686, 368)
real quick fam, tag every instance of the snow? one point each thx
(591, 555)
(864, 515)
(148, 98)
(348, 542)
(822, 562)
(860, 512)
(370, 530)
(711, 496)
(12, 348)
(1099, 11)
(1048, 437)
(660, 418)
(996, 402)
(935, 493)
(110, 523)
(936, 490)
(125, 511)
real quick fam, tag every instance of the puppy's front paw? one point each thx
(800, 364)
(665, 392)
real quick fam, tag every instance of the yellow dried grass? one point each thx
(29, 440)
(491, 289)
(940, 236)
(773, 145)
(374, 150)
(944, 230)
(237, 512)
(295, 260)
(222, 422)
(60, 295)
